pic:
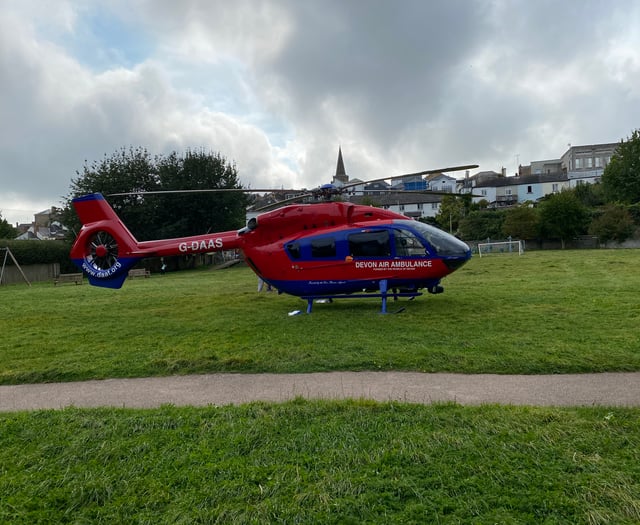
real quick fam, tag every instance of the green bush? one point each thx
(613, 223)
(482, 224)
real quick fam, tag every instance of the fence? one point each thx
(33, 272)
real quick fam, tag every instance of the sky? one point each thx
(277, 86)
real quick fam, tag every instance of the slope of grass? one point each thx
(321, 462)
(544, 312)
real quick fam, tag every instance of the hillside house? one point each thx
(578, 165)
(586, 164)
(46, 226)
(502, 191)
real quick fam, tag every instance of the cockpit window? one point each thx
(370, 244)
(442, 243)
(407, 244)
(294, 250)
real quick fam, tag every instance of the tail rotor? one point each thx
(102, 251)
(105, 250)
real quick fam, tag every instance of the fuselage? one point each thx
(333, 248)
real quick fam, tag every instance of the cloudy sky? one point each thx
(277, 85)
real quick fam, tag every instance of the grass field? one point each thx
(321, 462)
(326, 461)
(544, 312)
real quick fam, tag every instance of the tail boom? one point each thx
(105, 249)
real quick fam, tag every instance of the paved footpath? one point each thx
(606, 389)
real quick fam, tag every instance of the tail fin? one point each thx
(105, 249)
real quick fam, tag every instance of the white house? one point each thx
(507, 191)
(441, 182)
(414, 205)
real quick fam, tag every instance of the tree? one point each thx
(162, 216)
(196, 213)
(621, 177)
(125, 171)
(614, 223)
(6, 230)
(481, 225)
(452, 209)
(522, 222)
(590, 195)
(563, 216)
(368, 200)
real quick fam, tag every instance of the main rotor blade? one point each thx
(278, 204)
(417, 192)
(341, 189)
(426, 172)
(203, 190)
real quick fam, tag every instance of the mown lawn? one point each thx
(326, 461)
(321, 462)
(543, 312)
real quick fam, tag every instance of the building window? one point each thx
(578, 164)
(554, 188)
(588, 163)
(434, 205)
(598, 162)
(419, 205)
(529, 189)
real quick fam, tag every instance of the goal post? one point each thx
(503, 247)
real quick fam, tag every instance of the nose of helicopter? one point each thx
(453, 251)
(454, 262)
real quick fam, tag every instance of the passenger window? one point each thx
(370, 244)
(324, 247)
(294, 250)
(407, 244)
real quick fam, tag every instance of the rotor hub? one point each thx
(101, 250)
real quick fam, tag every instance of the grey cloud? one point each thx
(401, 86)
(384, 63)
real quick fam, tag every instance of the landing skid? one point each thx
(384, 294)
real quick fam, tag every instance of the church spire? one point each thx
(341, 174)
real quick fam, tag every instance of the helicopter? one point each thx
(325, 250)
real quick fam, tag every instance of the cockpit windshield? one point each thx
(441, 242)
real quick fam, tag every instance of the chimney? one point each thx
(504, 171)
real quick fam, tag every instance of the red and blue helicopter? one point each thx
(325, 250)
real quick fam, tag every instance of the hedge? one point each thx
(39, 252)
